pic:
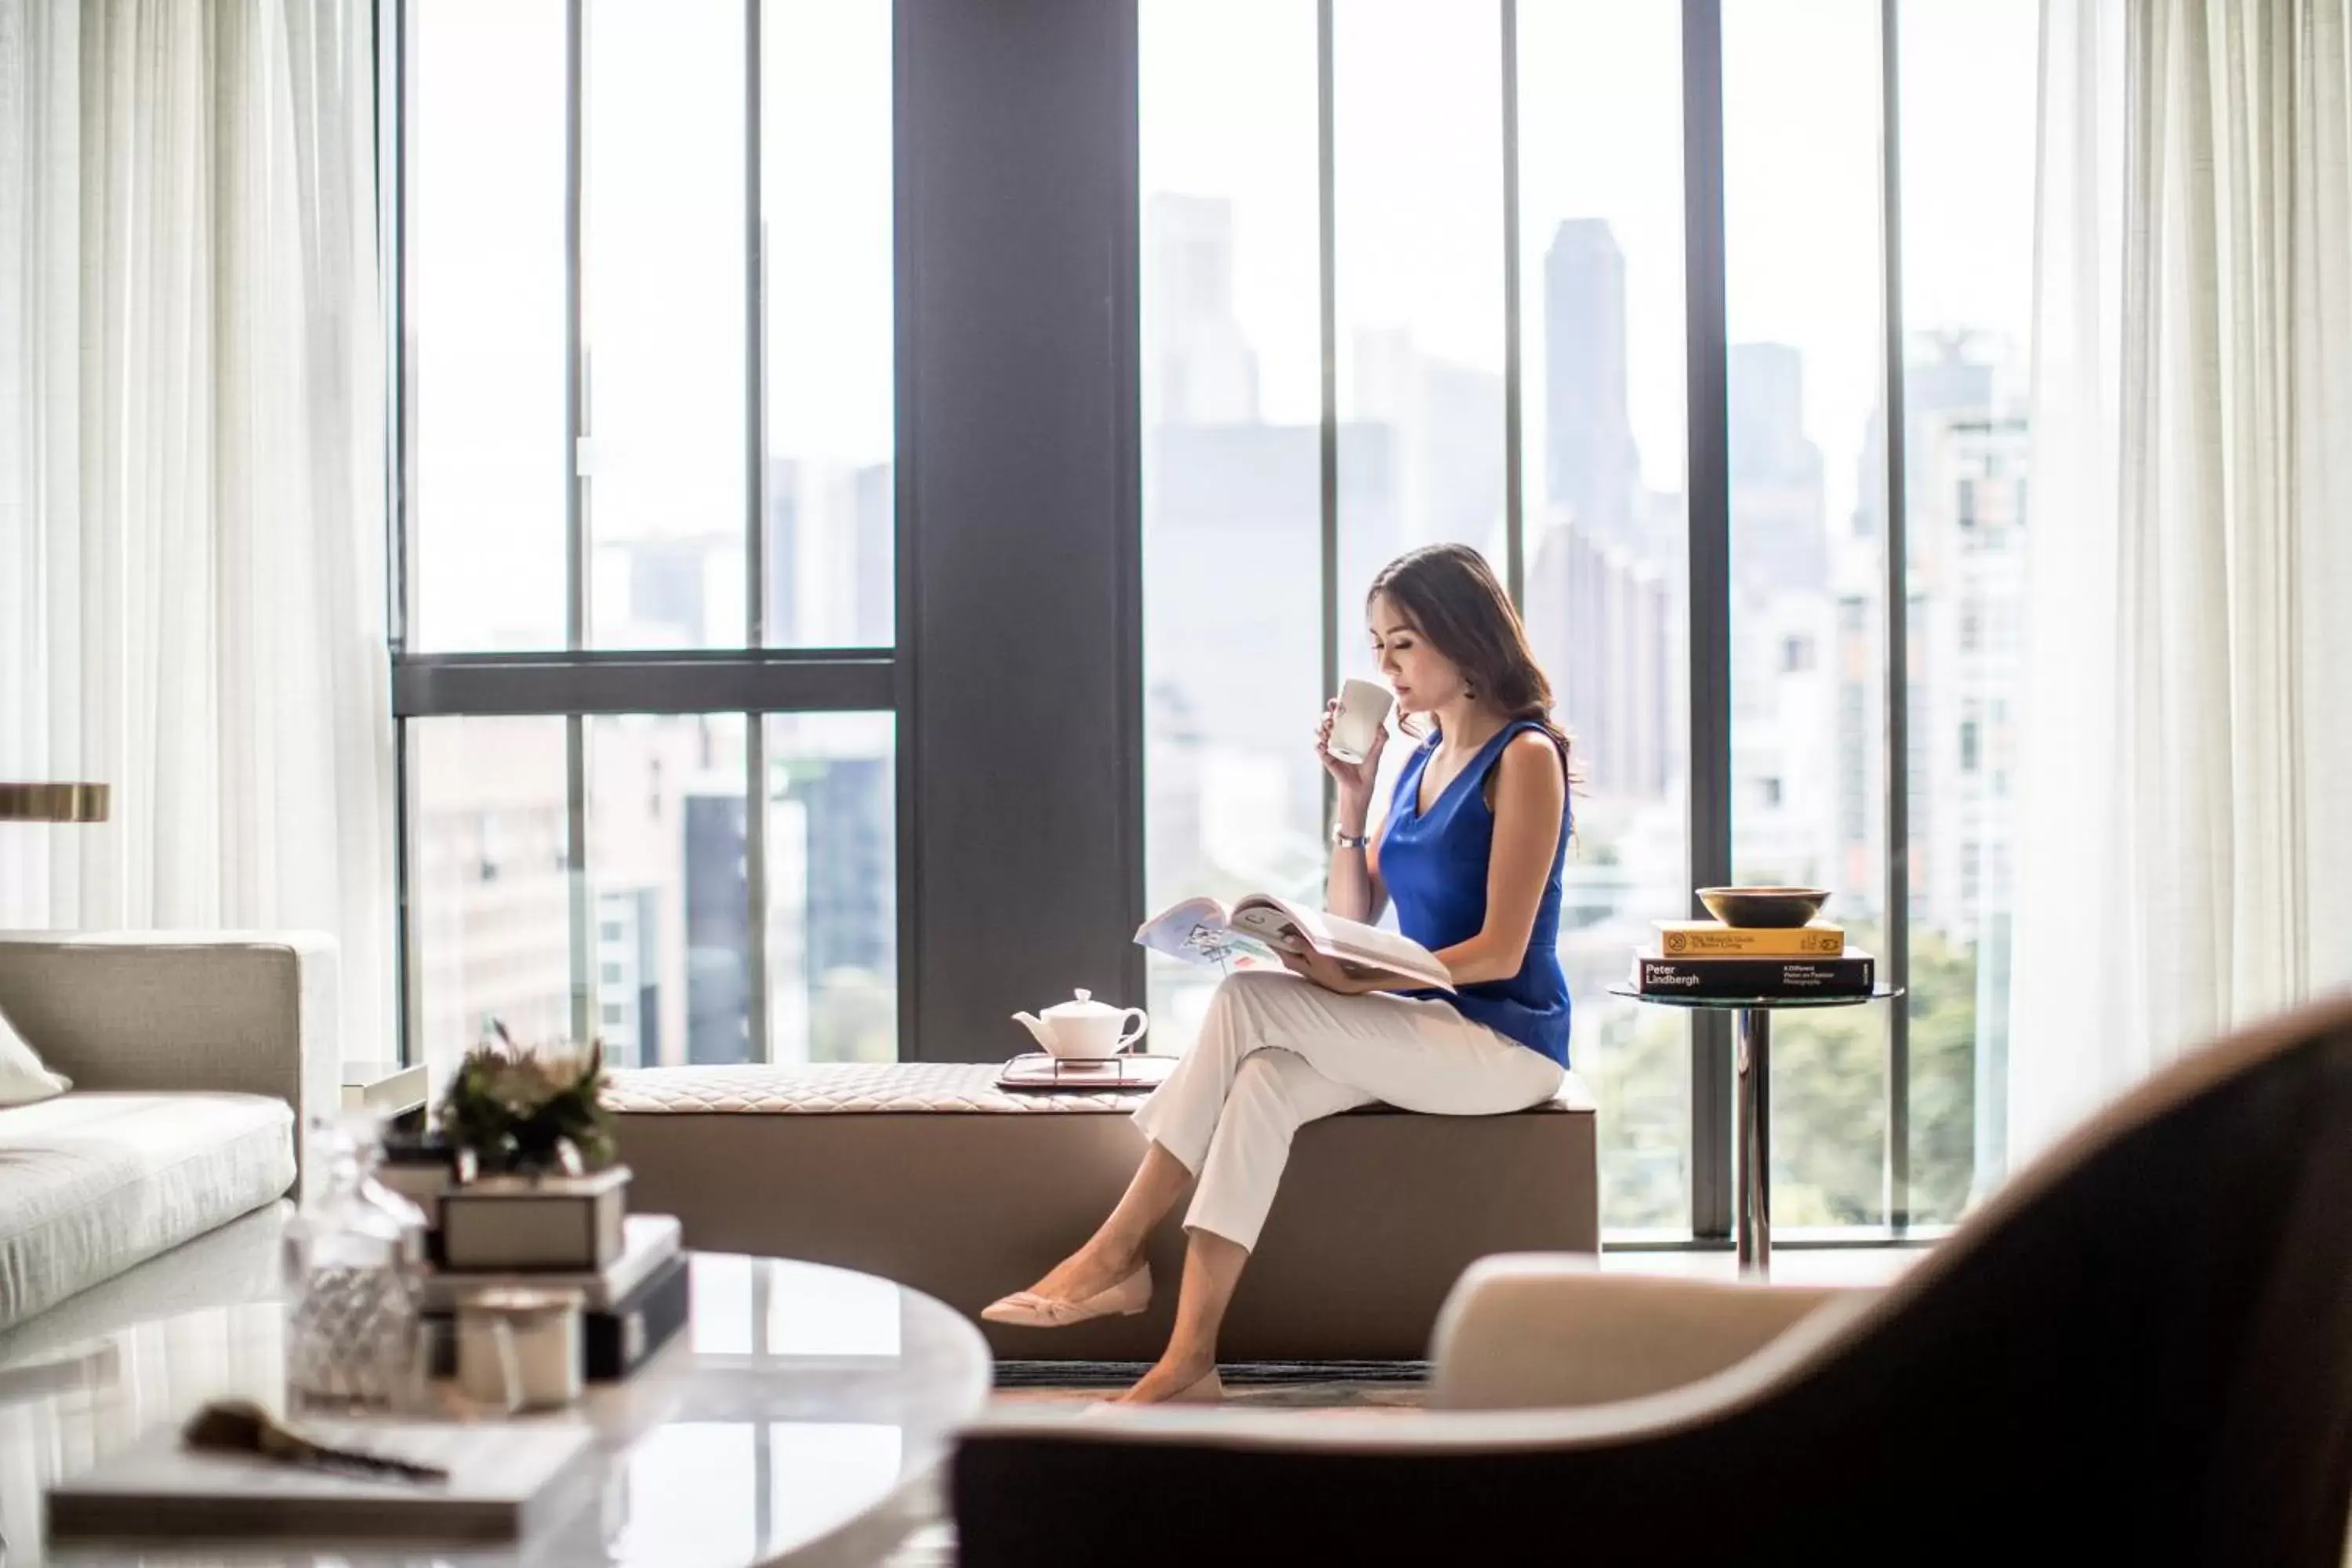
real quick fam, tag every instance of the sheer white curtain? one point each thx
(2185, 853)
(191, 480)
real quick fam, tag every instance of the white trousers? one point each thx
(1277, 1051)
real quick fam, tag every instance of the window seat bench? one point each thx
(928, 1174)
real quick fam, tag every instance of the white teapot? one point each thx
(1085, 1029)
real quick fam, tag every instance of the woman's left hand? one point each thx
(1324, 971)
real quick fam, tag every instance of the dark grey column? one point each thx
(1020, 592)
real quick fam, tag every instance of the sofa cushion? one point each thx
(92, 1183)
(23, 1079)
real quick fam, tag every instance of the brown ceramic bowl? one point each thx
(1770, 906)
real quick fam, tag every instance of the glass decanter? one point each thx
(354, 1256)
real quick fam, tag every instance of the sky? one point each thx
(1228, 110)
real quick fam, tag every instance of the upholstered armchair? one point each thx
(2139, 1350)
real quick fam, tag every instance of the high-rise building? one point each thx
(1949, 387)
(1591, 465)
(1950, 383)
(1200, 369)
(1967, 525)
(830, 549)
(718, 929)
(852, 899)
(1441, 423)
(685, 591)
(1766, 412)
(1600, 612)
(1778, 511)
(1598, 594)
(780, 556)
(490, 886)
(1234, 553)
(1783, 625)
(628, 970)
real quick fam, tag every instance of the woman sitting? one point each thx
(1470, 849)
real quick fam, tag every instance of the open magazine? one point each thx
(1202, 930)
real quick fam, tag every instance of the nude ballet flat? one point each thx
(1206, 1389)
(1028, 1310)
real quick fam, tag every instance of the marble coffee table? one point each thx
(802, 1416)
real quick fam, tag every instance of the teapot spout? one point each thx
(1036, 1026)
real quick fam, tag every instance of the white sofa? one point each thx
(196, 1062)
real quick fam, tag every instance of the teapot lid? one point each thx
(1084, 1006)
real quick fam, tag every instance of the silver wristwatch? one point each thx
(1346, 840)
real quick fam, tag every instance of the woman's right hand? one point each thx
(1354, 779)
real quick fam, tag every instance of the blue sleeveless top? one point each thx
(1435, 868)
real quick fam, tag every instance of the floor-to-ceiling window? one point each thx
(1602, 338)
(1401, 271)
(1802, 96)
(1483, 210)
(1968, 81)
(647, 459)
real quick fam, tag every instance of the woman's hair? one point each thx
(1450, 593)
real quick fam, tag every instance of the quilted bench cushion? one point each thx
(830, 1087)
(817, 1088)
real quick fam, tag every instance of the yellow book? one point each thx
(1713, 939)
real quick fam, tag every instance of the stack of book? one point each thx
(630, 1307)
(1710, 960)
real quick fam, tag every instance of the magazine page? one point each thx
(1201, 930)
(1367, 947)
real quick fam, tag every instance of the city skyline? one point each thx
(1229, 110)
(1234, 799)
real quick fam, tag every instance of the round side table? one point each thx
(1751, 1124)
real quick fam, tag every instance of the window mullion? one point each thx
(1709, 523)
(755, 559)
(1898, 958)
(576, 541)
(1515, 572)
(1326, 267)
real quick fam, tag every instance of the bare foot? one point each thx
(1090, 1271)
(1169, 1376)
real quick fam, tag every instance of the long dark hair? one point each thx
(1450, 593)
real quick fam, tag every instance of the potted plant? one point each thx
(534, 1111)
(538, 1187)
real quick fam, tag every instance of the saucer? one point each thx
(1127, 1070)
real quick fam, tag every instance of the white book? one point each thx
(1202, 930)
(507, 1480)
(647, 1241)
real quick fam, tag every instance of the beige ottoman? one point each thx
(927, 1173)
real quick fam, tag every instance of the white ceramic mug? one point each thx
(1363, 708)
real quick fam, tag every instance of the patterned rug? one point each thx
(1335, 1386)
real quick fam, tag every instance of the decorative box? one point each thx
(523, 1223)
(613, 1341)
(648, 1241)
